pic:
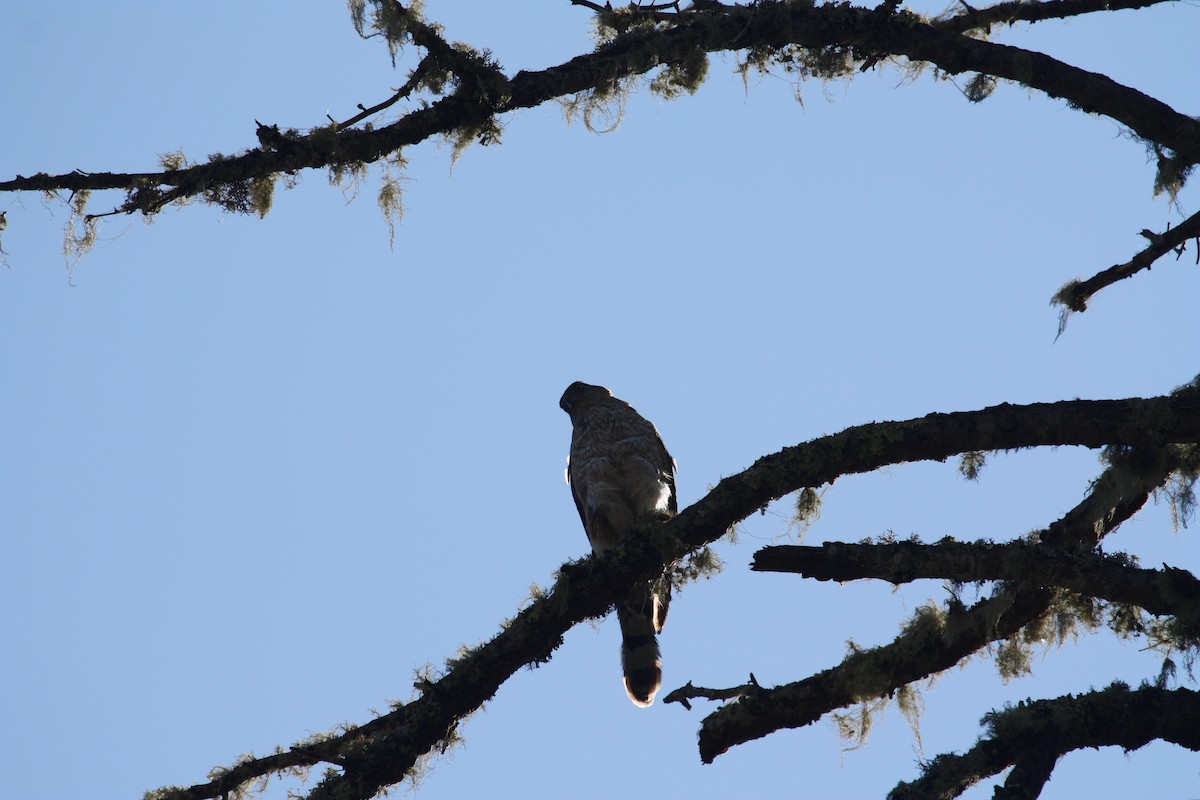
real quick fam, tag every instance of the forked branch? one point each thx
(382, 751)
(934, 642)
(482, 91)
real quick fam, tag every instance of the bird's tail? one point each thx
(641, 616)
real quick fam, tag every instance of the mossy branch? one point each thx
(381, 752)
(1075, 295)
(936, 639)
(482, 91)
(1032, 735)
(1165, 592)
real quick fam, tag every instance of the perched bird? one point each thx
(621, 473)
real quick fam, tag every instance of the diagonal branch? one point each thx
(1075, 295)
(381, 752)
(481, 76)
(931, 644)
(1034, 733)
(770, 25)
(936, 437)
(419, 73)
(926, 648)
(1009, 13)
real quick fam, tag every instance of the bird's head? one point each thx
(579, 394)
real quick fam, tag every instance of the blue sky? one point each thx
(256, 473)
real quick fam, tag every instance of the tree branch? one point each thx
(771, 25)
(1010, 13)
(419, 74)
(382, 751)
(1166, 592)
(923, 649)
(1075, 295)
(936, 437)
(1028, 776)
(684, 695)
(1035, 732)
(932, 643)
(482, 77)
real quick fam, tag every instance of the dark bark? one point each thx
(1075, 295)
(1034, 734)
(982, 19)
(1164, 592)
(383, 751)
(931, 645)
(483, 92)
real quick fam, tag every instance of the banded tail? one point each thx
(641, 616)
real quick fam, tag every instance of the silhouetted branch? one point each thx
(1028, 776)
(921, 651)
(381, 752)
(1165, 592)
(932, 643)
(684, 695)
(481, 77)
(482, 91)
(414, 80)
(1092, 423)
(1034, 734)
(1025, 11)
(1075, 295)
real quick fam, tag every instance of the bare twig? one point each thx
(685, 694)
(1075, 295)
(418, 74)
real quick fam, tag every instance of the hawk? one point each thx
(620, 473)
